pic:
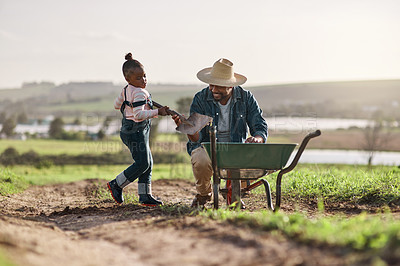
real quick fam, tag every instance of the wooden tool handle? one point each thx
(170, 112)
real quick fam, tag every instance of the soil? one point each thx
(69, 224)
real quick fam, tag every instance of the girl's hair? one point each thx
(130, 64)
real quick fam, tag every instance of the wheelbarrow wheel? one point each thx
(215, 195)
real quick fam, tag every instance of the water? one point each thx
(347, 157)
(307, 124)
(292, 124)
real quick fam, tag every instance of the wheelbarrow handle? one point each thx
(300, 150)
(292, 165)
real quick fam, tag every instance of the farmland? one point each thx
(69, 207)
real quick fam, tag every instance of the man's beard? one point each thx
(222, 97)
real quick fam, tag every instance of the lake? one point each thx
(347, 157)
(293, 124)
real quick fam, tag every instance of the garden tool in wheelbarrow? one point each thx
(194, 123)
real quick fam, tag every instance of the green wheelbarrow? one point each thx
(236, 162)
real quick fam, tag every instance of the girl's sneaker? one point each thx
(149, 200)
(116, 191)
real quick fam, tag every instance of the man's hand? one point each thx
(163, 111)
(255, 139)
(195, 137)
(177, 120)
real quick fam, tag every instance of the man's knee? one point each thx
(200, 159)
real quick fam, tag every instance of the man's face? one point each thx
(221, 93)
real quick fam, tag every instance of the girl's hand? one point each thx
(163, 111)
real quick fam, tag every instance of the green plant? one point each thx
(11, 183)
(338, 183)
(361, 232)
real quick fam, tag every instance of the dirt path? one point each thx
(68, 224)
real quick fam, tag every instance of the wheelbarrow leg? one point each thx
(216, 178)
(236, 186)
(267, 191)
(215, 195)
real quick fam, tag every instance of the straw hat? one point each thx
(221, 74)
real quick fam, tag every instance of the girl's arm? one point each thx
(119, 100)
(140, 113)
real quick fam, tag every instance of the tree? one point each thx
(22, 118)
(107, 121)
(77, 122)
(8, 127)
(3, 117)
(183, 105)
(153, 131)
(101, 135)
(374, 139)
(56, 128)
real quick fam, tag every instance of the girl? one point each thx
(136, 108)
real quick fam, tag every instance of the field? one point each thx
(64, 215)
(330, 215)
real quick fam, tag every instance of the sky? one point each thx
(269, 41)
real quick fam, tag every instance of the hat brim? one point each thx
(205, 76)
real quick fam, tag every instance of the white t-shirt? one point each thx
(223, 129)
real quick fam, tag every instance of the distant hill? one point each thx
(357, 99)
(361, 92)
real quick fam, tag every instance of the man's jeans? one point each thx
(138, 144)
(202, 171)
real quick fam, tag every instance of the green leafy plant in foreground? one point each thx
(11, 183)
(362, 232)
(357, 184)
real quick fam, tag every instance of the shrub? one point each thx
(9, 156)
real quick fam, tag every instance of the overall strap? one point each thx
(134, 104)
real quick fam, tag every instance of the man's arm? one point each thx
(195, 107)
(195, 137)
(257, 125)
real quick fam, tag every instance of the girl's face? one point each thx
(137, 77)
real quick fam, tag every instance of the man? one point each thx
(233, 110)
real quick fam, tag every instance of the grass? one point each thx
(379, 184)
(71, 173)
(377, 234)
(11, 183)
(77, 147)
(56, 147)
(361, 232)
(4, 261)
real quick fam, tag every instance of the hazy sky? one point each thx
(269, 41)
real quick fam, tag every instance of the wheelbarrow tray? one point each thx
(269, 156)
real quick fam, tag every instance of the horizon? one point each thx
(199, 83)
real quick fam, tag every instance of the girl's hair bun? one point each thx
(128, 56)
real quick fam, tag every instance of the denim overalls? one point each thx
(135, 135)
